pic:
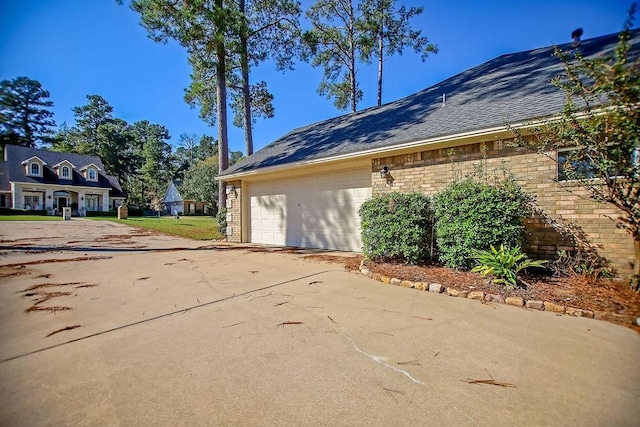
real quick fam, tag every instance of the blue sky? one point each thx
(82, 47)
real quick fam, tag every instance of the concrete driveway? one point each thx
(164, 331)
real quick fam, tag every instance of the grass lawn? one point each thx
(29, 218)
(191, 227)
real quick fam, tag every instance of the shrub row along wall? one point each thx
(431, 171)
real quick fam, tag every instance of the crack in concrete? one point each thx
(381, 360)
(160, 316)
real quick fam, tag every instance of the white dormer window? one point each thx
(90, 172)
(64, 169)
(33, 166)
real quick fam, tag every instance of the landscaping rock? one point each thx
(436, 287)
(609, 317)
(376, 276)
(456, 293)
(365, 271)
(419, 286)
(406, 284)
(578, 312)
(555, 308)
(395, 281)
(494, 298)
(572, 311)
(476, 295)
(587, 313)
(517, 301)
(536, 305)
(385, 279)
(638, 321)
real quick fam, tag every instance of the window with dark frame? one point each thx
(576, 169)
(579, 169)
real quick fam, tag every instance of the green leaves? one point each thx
(600, 124)
(504, 263)
(396, 227)
(25, 118)
(472, 215)
(199, 183)
(335, 43)
(387, 31)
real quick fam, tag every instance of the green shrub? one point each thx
(396, 227)
(35, 212)
(221, 217)
(504, 263)
(109, 214)
(471, 215)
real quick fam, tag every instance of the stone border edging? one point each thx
(485, 298)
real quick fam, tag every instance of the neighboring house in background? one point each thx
(32, 178)
(174, 204)
(305, 188)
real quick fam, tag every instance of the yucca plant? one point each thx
(504, 264)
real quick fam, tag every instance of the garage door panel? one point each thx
(315, 211)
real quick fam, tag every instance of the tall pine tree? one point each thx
(336, 43)
(25, 118)
(390, 30)
(202, 28)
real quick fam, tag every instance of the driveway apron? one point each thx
(102, 324)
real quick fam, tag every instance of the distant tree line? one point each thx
(225, 41)
(139, 153)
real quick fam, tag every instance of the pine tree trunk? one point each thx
(246, 93)
(221, 91)
(380, 58)
(352, 59)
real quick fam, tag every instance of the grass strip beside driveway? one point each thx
(195, 228)
(29, 218)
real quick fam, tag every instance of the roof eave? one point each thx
(495, 132)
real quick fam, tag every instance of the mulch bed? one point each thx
(583, 292)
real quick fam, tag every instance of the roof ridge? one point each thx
(511, 87)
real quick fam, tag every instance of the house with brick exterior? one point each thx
(305, 188)
(35, 179)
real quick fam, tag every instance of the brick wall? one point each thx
(234, 233)
(430, 171)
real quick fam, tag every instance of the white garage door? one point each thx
(314, 211)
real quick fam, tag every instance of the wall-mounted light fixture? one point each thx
(384, 171)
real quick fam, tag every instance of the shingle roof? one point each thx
(5, 185)
(14, 171)
(511, 88)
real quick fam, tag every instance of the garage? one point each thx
(311, 211)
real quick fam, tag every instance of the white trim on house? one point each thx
(87, 169)
(63, 166)
(34, 161)
(463, 138)
(24, 162)
(50, 198)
